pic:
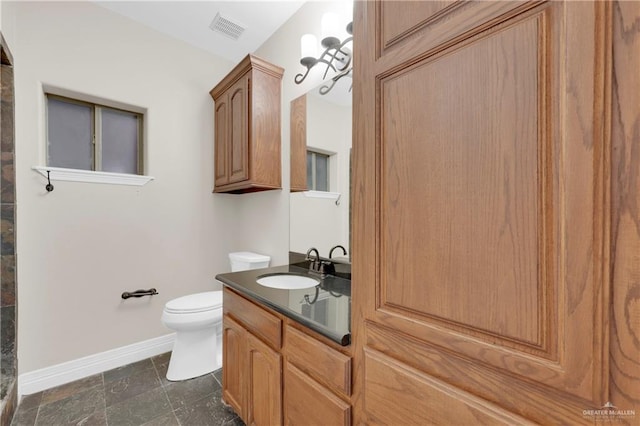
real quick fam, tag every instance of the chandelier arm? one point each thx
(324, 89)
(299, 78)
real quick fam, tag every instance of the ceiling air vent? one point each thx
(227, 27)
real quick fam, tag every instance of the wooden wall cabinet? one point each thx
(298, 137)
(247, 128)
(306, 381)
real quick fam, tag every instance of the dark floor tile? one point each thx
(98, 418)
(139, 409)
(75, 409)
(184, 392)
(236, 421)
(25, 417)
(127, 370)
(161, 363)
(207, 411)
(162, 359)
(68, 389)
(127, 387)
(168, 419)
(31, 401)
(218, 375)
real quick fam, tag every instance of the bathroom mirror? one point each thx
(320, 170)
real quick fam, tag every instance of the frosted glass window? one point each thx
(70, 135)
(87, 136)
(317, 171)
(119, 141)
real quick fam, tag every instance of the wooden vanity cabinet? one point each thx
(252, 364)
(305, 381)
(317, 382)
(247, 128)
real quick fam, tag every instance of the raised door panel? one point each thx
(221, 141)
(485, 179)
(238, 128)
(298, 137)
(233, 365)
(308, 403)
(264, 402)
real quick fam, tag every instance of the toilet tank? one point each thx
(245, 260)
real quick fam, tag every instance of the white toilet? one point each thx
(197, 320)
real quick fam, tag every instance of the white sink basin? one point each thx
(287, 281)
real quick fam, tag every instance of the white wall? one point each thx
(80, 246)
(283, 49)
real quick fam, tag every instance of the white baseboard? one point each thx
(56, 375)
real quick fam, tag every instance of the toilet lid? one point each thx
(198, 302)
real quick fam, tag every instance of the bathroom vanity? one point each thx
(287, 354)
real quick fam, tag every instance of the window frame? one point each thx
(96, 126)
(314, 153)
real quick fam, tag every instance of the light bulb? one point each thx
(308, 46)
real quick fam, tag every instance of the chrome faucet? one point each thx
(344, 250)
(317, 265)
(315, 261)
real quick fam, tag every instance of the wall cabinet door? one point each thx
(221, 134)
(264, 369)
(480, 212)
(238, 145)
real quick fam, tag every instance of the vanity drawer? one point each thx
(324, 364)
(257, 320)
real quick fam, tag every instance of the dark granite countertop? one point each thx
(325, 308)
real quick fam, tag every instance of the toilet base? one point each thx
(195, 353)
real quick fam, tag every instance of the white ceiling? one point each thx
(189, 21)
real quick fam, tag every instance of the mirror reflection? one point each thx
(320, 171)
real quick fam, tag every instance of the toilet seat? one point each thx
(194, 303)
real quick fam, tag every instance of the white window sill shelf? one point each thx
(89, 176)
(335, 196)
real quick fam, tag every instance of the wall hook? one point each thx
(49, 187)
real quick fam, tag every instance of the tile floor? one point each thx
(136, 394)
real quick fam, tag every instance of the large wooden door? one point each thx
(481, 283)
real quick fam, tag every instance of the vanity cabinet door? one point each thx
(264, 404)
(306, 402)
(234, 365)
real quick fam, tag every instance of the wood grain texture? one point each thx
(298, 144)
(253, 317)
(247, 130)
(391, 388)
(308, 403)
(541, 176)
(220, 149)
(625, 197)
(461, 199)
(430, 27)
(238, 146)
(265, 133)
(264, 397)
(324, 364)
(234, 386)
